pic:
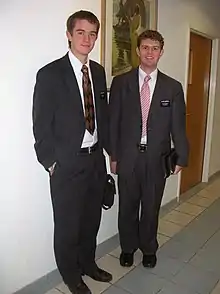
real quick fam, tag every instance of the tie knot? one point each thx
(147, 78)
(84, 69)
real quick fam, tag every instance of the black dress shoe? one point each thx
(149, 260)
(100, 275)
(126, 259)
(80, 288)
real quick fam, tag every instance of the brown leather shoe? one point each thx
(100, 275)
(80, 288)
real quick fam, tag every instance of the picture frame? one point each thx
(121, 22)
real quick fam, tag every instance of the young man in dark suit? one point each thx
(147, 109)
(70, 123)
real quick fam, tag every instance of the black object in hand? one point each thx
(109, 192)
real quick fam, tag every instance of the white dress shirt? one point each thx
(88, 139)
(152, 83)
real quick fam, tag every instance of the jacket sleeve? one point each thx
(43, 114)
(105, 116)
(115, 116)
(178, 126)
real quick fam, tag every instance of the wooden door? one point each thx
(197, 106)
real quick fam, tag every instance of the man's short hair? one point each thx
(81, 15)
(152, 35)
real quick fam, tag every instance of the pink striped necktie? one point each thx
(145, 104)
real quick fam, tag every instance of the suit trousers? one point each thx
(140, 195)
(77, 192)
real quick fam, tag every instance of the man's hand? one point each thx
(51, 169)
(177, 169)
(113, 166)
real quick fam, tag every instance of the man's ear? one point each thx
(68, 35)
(138, 51)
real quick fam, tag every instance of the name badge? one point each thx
(165, 103)
(102, 95)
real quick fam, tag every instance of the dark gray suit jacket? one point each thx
(58, 118)
(166, 120)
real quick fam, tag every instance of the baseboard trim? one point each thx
(213, 177)
(53, 278)
(42, 285)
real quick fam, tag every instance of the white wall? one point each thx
(215, 144)
(32, 34)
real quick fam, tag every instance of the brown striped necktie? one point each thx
(88, 101)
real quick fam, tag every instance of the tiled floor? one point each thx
(188, 257)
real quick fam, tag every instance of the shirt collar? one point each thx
(153, 75)
(76, 63)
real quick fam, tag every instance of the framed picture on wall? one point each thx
(121, 23)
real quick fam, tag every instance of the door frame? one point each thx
(211, 100)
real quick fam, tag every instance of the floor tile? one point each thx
(192, 239)
(213, 244)
(140, 282)
(216, 290)
(167, 228)
(63, 288)
(215, 185)
(204, 193)
(115, 290)
(138, 256)
(107, 246)
(94, 286)
(201, 201)
(211, 191)
(190, 208)
(53, 291)
(188, 257)
(162, 239)
(179, 218)
(196, 279)
(208, 260)
(176, 289)
(116, 252)
(177, 250)
(112, 265)
(166, 267)
(201, 229)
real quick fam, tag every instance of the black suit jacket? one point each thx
(58, 118)
(166, 120)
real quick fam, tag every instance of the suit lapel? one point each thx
(71, 82)
(96, 92)
(133, 83)
(95, 79)
(156, 96)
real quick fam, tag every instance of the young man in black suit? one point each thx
(70, 123)
(147, 109)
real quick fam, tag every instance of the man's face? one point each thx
(82, 37)
(149, 53)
